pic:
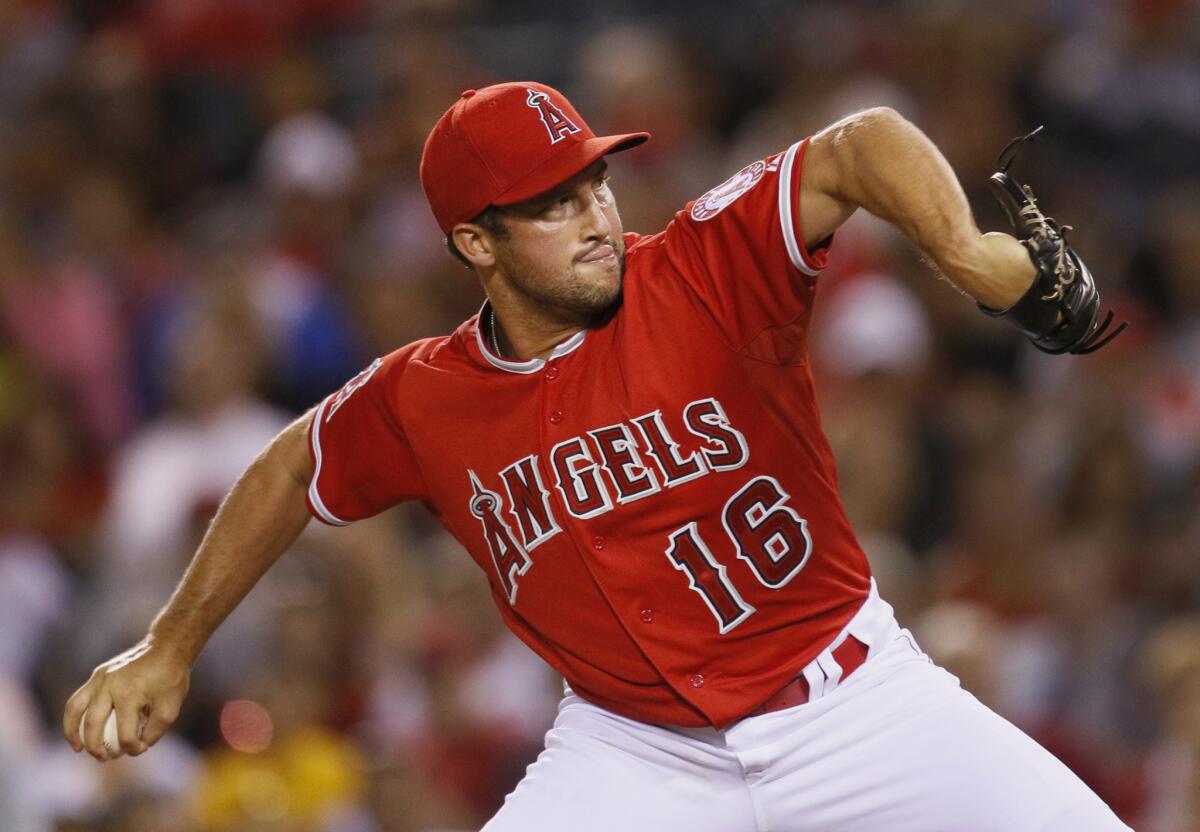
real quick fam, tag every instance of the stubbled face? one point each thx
(563, 252)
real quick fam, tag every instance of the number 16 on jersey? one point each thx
(766, 533)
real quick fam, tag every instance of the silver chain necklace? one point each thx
(492, 332)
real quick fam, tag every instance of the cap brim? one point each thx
(566, 164)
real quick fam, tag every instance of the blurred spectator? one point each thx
(183, 462)
(35, 591)
(18, 742)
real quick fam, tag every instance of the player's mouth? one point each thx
(602, 254)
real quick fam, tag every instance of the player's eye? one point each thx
(600, 187)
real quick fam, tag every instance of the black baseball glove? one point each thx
(1059, 312)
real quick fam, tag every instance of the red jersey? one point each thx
(655, 504)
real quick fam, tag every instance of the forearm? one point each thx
(259, 519)
(886, 165)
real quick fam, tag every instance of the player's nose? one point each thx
(597, 225)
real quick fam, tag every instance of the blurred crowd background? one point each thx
(210, 217)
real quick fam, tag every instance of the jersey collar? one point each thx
(533, 365)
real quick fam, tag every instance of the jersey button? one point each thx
(597, 543)
(648, 616)
(556, 417)
(551, 373)
(697, 681)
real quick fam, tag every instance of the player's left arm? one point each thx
(879, 161)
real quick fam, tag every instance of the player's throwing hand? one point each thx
(145, 685)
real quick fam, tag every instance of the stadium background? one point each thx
(210, 217)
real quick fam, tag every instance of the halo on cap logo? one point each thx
(722, 196)
(557, 123)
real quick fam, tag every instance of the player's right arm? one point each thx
(259, 519)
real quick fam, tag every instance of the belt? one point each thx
(850, 655)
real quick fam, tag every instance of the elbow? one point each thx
(872, 123)
(866, 138)
(883, 116)
(861, 133)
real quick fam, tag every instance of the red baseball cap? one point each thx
(504, 144)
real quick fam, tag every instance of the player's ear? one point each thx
(474, 243)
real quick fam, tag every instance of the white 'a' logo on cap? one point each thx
(558, 125)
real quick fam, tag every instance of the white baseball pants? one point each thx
(896, 747)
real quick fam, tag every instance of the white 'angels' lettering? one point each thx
(577, 481)
(619, 451)
(508, 555)
(635, 464)
(665, 451)
(706, 419)
(529, 502)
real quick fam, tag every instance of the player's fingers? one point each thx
(161, 716)
(73, 712)
(93, 724)
(129, 717)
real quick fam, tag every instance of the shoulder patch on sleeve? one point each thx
(722, 196)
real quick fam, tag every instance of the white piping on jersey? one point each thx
(786, 198)
(533, 365)
(314, 496)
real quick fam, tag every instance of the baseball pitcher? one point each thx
(626, 439)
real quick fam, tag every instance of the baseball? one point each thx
(112, 743)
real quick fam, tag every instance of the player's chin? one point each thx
(597, 296)
(603, 287)
(607, 306)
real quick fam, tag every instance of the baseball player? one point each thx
(626, 439)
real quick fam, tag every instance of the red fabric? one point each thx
(360, 452)
(504, 144)
(690, 412)
(849, 655)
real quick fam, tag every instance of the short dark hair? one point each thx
(490, 219)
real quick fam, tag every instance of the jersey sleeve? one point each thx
(362, 462)
(741, 249)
